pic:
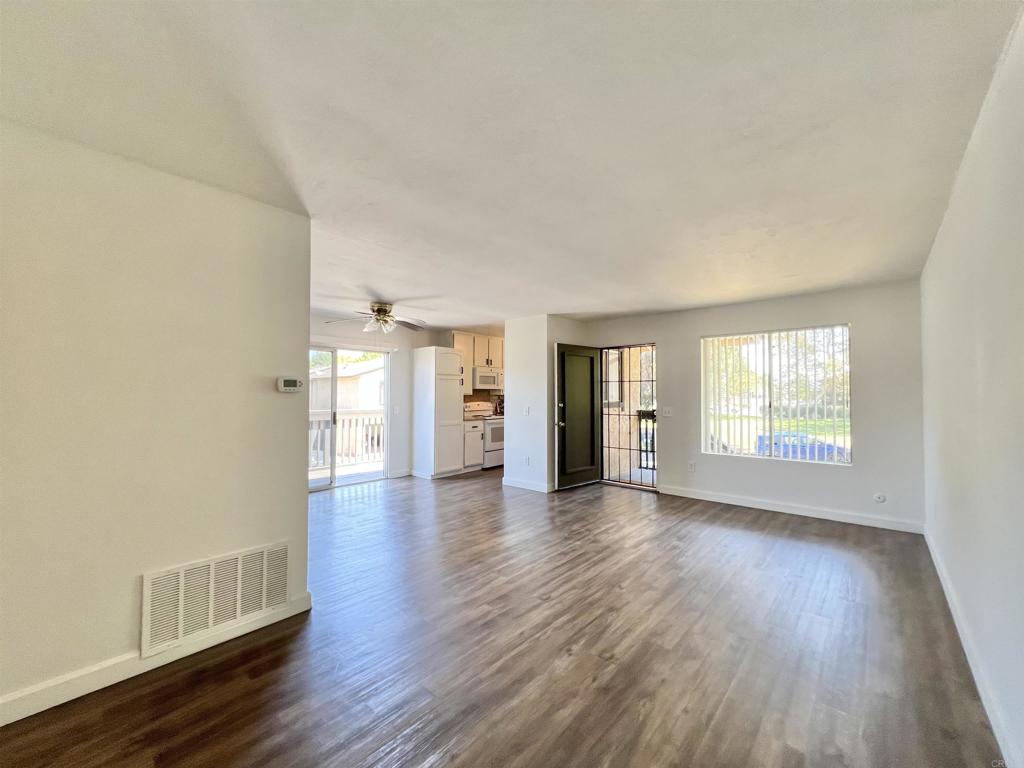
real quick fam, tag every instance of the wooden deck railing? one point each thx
(360, 437)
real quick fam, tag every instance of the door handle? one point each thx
(561, 423)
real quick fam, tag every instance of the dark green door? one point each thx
(578, 415)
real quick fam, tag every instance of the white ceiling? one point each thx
(493, 160)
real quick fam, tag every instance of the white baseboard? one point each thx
(1013, 753)
(529, 485)
(442, 475)
(838, 515)
(399, 473)
(71, 685)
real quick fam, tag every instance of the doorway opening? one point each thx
(629, 415)
(348, 396)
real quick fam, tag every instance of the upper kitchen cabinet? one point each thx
(496, 345)
(488, 351)
(479, 351)
(463, 343)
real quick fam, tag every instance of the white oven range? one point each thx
(494, 441)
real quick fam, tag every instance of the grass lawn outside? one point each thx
(743, 430)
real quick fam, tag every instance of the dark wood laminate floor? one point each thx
(459, 623)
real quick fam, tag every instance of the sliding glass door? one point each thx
(348, 391)
(323, 380)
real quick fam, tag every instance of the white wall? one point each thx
(885, 361)
(527, 399)
(973, 319)
(144, 320)
(399, 343)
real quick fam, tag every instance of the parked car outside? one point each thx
(800, 445)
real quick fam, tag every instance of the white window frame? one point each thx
(771, 419)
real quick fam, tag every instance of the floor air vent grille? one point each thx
(225, 591)
(193, 599)
(277, 576)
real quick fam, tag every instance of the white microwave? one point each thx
(488, 378)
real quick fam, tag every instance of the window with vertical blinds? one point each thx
(778, 395)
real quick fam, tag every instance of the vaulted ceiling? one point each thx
(492, 160)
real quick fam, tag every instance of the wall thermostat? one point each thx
(290, 384)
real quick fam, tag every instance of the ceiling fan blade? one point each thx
(348, 319)
(412, 325)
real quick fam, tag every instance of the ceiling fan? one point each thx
(381, 318)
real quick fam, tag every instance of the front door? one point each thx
(578, 415)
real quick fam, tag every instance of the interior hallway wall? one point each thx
(527, 403)
(973, 321)
(145, 319)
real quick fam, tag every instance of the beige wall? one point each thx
(973, 321)
(144, 321)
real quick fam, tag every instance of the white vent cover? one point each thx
(225, 591)
(251, 589)
(277, 577)
(191, 600)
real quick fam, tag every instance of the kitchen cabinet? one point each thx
(478, 351)
(488, 351)
(463, 343)
(496, 346)
(448, 361)
(481, 351)
(474, 444)
(438, 431)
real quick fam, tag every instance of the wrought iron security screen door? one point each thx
(629, 415)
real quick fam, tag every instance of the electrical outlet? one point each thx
(526, 411)
(667, 411)
(692, 466)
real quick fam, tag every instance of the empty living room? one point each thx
(511, 384)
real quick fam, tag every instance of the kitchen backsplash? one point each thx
(486, 396)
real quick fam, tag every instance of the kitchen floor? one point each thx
(461, 623)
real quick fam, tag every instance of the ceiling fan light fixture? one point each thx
(379, 322)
